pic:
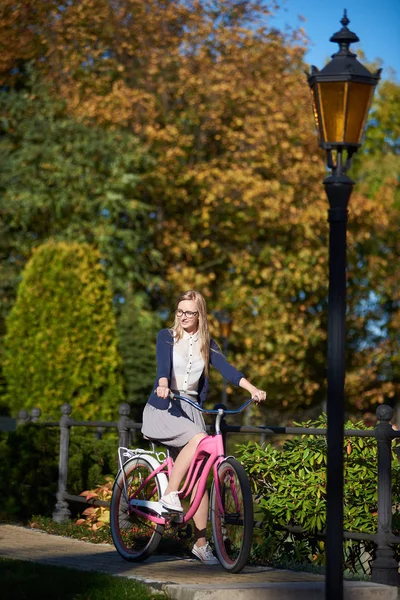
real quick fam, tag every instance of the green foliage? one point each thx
(61, 342)
(137, 330)
(373, 257)
(231, 201)
(377, 165)
(71, 530)
(29, 468)
(289, 485)
(90, 460)
(71, 180)
(28, 471)
(383, 129)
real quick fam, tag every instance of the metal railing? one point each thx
(384, 567)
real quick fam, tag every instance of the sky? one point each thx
(376, 23)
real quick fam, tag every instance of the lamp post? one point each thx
(342, 92)
(225, 327)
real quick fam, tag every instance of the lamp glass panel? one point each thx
(358, 103)
(315, 110)
(333, 99)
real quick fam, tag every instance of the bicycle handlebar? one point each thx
(213, 411)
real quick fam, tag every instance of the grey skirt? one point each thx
(172, 423)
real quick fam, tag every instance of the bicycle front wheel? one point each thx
(232, 515)
(135, 537)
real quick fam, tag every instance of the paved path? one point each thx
(180, 579)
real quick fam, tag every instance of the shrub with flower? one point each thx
(96, 517)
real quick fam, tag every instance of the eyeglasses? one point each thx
(188, 313)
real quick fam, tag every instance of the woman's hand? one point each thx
(258, 395)
(162, 391)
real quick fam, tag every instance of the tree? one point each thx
(63, 179)
(374, 276)
(226, 113)
(238, 210)
(137, 332)
(61, 341)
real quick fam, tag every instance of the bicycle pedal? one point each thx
(177, 518)
(173, 516)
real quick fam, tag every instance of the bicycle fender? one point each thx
(162, 478)
(225, 457)
(222, 461)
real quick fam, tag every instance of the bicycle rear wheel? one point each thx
(134, 536)
(232, 516)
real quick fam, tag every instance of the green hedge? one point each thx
(61, 340)
(289, 486)
(29, 468)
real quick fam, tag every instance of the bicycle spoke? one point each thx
(135, 537)
(232, 515)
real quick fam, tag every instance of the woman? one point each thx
(184, 354)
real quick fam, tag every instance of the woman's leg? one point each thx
(200, 518)
(180, 468)
(182, 463)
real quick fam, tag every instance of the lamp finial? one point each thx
(344, 37)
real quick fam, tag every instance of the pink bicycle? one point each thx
(138, 520)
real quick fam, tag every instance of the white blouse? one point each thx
(188, 364)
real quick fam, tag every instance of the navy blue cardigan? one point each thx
(164, 355)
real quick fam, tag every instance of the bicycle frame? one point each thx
(209, 455)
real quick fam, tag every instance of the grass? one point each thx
(70, 529)
(21, 580)
(177, 543)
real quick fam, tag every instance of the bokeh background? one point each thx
(153, 146)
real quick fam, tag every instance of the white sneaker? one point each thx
(171, 502)
(204, 553)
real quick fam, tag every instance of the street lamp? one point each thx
(225, 327)
(342, 92)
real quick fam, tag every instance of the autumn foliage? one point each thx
(234, 201)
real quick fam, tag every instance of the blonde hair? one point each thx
(204, 332)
